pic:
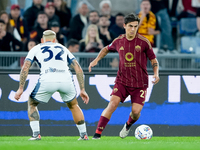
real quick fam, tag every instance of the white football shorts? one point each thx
(44, 90)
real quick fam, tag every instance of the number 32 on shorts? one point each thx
(143, 93)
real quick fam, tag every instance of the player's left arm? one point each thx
(79, 74)
(155, 66)
(23, 76)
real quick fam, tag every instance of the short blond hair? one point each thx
(49, 34)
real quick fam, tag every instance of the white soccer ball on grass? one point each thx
(143, 132)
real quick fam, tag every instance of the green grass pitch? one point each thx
(105, 143)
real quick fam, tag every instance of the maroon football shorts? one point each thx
(137, 94)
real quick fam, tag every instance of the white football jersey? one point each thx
(53, 59)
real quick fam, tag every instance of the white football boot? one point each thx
(124, 133)
(83, 136)
(38, 137)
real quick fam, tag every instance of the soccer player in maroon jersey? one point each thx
(132, 76)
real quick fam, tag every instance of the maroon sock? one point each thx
(102, 124)
(129, 122)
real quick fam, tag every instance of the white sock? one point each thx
(81, 128)
(35, 126)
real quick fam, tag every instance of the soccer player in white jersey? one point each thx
(53, 59)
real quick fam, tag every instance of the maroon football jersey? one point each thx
(132, 60)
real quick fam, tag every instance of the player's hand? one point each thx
(18, 94)
(92, 64)
(156, 79)
(84, 96)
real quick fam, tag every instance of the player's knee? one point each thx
(69, 105)
(135, 113)
(72, 104)
(113, 106)
(32, 102)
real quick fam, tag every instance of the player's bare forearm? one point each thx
(102, 53)
(24, 74)
(79, 74)
(80, 80)
(155, 66)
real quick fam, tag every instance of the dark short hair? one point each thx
(131, 18)
(3, 12)
(2, 21)
(41, 13)
(144, 1)
(92, 11)
(119, 14)
(72, 42)
(103, 16)
(33, 40)
(54, 24)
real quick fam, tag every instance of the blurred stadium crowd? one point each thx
(172, 26)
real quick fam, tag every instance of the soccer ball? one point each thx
(143, 132)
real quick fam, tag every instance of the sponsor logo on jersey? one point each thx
(130, 64)
(54, 70)
(129, 56)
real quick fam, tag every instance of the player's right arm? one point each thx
(23, 76)
(24, 71)
(79, 74)
(101, 55)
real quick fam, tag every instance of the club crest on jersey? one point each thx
(137, 48)
(129, 56)
(115, 90)
(121, 48)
